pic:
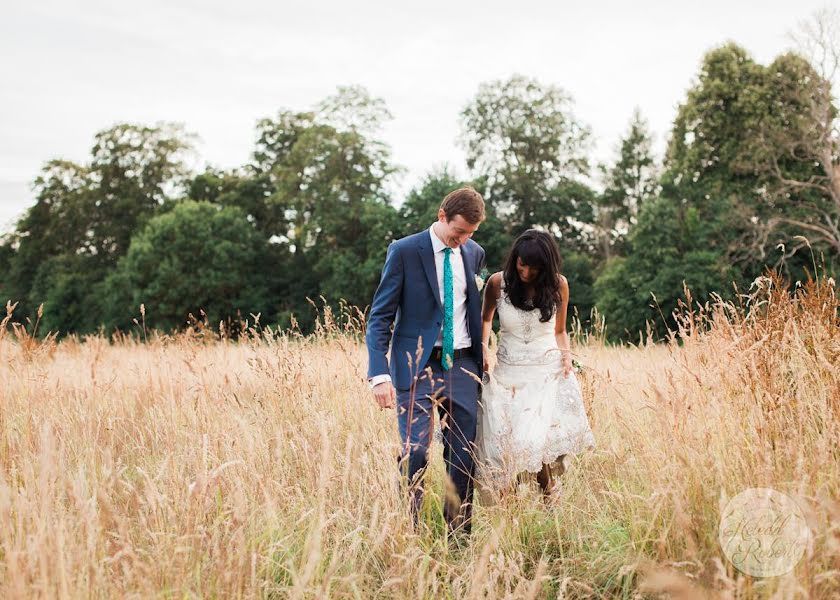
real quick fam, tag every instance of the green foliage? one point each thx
(131, 170)
(741, 176)
(351, 270)
(495, 240)
(84, 217)
(57, 224)
(579, 270)
(322, 198)
(525, 143)
(196, 257)
(66, 285)
(752, 150)
(666, 251)
(421, 207)
(7, 253)
(628, 183)
(749, 171)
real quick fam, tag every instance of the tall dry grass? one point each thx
(189, 466)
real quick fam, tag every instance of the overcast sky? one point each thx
(69, 69)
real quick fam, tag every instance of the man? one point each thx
(429, 288)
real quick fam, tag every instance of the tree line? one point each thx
(748, 182)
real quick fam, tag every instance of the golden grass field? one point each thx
(194, 467)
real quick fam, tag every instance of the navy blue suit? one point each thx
(408, 297)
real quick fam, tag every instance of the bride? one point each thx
(531, 411)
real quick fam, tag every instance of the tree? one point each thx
(795, 147)
(749, 150)
(707, 143)
(324, 181)
(351, 270)
(745, 172)
(818, 40)
(524, 141)
(91, 211)
(68, 287)
(666, 251)
(629, 182)
(317, 189)
(7, 253)
(56, 224)
(694, 229)
(196, 256)
(352, 108)
(135, 171)
(243, 188)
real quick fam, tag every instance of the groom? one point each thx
(428, 291)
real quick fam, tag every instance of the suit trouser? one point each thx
(455, 394)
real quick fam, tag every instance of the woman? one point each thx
(531, 410)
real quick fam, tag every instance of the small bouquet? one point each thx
(481, 278)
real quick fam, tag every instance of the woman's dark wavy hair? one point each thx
(536, 249)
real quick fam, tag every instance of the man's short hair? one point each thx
(466, 202)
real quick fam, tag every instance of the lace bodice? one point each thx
(523, 338)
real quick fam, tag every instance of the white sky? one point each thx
(69, 69)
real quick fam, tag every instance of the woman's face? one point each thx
(527, 274)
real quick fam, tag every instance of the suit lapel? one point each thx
(427, 258)
(472, 288)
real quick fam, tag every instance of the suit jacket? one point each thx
(408, 297)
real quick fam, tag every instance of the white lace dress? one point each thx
(529, 414)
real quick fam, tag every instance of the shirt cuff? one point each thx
(377, 379)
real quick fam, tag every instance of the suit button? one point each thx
(438, 323)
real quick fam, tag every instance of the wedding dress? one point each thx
(529, 414)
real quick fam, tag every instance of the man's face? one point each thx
(456, 231)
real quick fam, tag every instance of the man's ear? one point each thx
(441, 215)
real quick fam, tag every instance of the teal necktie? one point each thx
(448, 312)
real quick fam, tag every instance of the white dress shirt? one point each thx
(462, 337)
(459, 288)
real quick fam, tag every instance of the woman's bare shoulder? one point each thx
(494, 284)
(564, 286)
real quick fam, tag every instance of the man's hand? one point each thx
(385, 394)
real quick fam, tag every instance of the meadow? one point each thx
(200, 466)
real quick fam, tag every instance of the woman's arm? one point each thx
(560, 333)
(488, 309)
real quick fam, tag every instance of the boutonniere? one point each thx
(481, 279)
